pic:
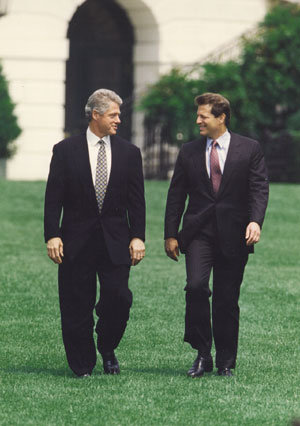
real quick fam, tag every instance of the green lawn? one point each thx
(36, 386)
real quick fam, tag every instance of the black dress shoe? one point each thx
(110, 363)
(225, 372)
(200, 366)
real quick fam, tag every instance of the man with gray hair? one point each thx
(96, 181)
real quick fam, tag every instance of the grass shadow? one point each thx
(35, 370)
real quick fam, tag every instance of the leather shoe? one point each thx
(110, 363)
(225, 372)
(200, 366)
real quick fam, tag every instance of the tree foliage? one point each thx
(9, 129)
(170, 102)
(263, 86)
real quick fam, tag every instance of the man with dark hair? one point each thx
(224, 177)
(96, 179)
(219, 105)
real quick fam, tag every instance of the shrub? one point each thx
(9, 129)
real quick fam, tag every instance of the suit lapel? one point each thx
(82, 162)
(114, 163)
(231, 160)
(199, 160)
(113, 173)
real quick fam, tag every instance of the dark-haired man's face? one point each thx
(209, 125)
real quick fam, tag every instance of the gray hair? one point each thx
(100, 101)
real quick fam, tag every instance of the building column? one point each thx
(34, 65)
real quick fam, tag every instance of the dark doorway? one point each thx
(101, 50)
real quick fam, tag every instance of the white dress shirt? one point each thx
(93, 147)
(222, 148)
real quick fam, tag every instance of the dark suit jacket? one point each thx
(242, 197)
(70, 189)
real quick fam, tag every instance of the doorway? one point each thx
(101, 56)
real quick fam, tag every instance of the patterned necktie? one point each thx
(215, 170)
(101, 175)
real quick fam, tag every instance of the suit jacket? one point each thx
(70, 190)
(242, 197)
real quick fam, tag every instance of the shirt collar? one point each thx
(222, 140)
(94, 139)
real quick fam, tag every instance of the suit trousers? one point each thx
(77, 282)
(202, 256)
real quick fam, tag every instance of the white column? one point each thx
(145, 55)
(33, 58)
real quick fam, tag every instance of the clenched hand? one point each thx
(252, 233)
(55, 249)
(137, 251)
(172, 248)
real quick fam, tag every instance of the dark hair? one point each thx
(219, 104)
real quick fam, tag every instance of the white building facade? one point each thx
(34, 50)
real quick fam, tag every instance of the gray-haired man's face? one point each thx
(106, 124)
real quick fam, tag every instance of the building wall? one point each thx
(167, 33)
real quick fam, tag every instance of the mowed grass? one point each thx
(36, 386)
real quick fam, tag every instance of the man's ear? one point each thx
(94, 114)
(222, 118)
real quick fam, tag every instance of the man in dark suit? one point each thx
(224, 176)
(96, 180)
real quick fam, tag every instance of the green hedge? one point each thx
(9, 129)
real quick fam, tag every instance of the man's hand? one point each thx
(55, 249)
(252, 233)
(137, 250)
(172, 248)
